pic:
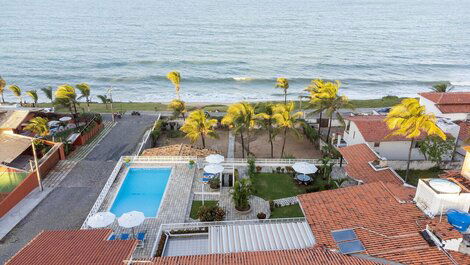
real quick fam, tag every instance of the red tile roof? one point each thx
(358, 157)
(78, 247)
(308, 256)
(461, 258)
(450, 102)
(374, 129)
(464, 134)
(387, 228)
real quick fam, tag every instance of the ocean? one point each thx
(234, 50)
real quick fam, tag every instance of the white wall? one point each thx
(397, 150)
(353, 136)
(431, 108)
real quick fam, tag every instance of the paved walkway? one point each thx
(67, 206)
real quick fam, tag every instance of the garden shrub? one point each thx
(214, 183)
(210, 213)
(261, 215)
(251, 167)
(271, 205)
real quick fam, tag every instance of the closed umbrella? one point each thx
(101, 219)
(304, 168)
(215, 159)
(131, 220)
(65, 119)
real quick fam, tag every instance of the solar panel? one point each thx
(351, 247)
(344, 235)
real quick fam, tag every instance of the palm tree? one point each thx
(199, 125)
(266, 119)
(86, 92)
(178, 107)
(283, 83)
(241, 118)
(3, 84)
(314, 88)
(442, 87)
(17, 92)
(48, 92)
(324, 95)
(410, 119)
(66, 96)
(287, 119)
(34, 96)
(38, 126)
(104, 99)
(175, 79)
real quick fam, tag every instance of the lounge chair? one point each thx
(124, 236)
(141, 238)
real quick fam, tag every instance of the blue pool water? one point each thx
(142, 190)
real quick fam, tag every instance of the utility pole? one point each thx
(38, 174)
(111, 102)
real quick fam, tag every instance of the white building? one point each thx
(452, 105)
(373, 131)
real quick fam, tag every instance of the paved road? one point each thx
(67, 206)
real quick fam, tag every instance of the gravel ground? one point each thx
(67, 206)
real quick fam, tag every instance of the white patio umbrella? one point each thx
(214, 168)
(214, 159)
(53, 123)
(64, 119)
(101, 219)
(304, 168)
(131, 220)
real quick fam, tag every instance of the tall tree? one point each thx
(104, 99)
(38, 126)
(442, 87)
(325, 96)
(410, 119)
(241, 119)
(287, 119)
(34, 96)
(49, 93)
(3, 84)
(175, 79)
(283, 83)
(199, 125)
(178, 107)
(66, 96)
(266, 119)
(16, 90)
(85, 91)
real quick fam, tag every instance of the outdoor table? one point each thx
(303, 178)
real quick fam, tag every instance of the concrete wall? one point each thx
(30, 182)
(84, 138)
(431, 108)
(422, 165)
(396, 150)
(353, 135)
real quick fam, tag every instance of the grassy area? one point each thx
(154, 106)
(287, 212)
(271, 186)
(415, 175)
(197, 204)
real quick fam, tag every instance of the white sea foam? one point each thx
(242, 78)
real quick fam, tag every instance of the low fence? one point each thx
(29, 183)
(422, 165)
(85, 137)
(147, 141)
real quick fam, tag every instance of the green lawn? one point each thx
(9, 180)
(287, 212)
(415, 175)
(271, 186)
(376, 103)
(197, 204)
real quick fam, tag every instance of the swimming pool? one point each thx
(142, 190)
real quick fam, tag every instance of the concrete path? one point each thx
(68, 204)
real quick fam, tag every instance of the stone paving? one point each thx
(286, 201)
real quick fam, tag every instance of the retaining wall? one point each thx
(85, 137)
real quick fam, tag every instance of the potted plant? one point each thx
(261, 215)
(191, 163)
(241, 193)
(214, 183)
(127, 161)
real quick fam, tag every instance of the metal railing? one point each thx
(99, 201)
(147, 135)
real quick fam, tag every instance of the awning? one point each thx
(11, 146)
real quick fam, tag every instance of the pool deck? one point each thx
(173, 208)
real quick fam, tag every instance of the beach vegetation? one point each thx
(409, 119)
(287, 120)
(33, 94)
(241, 119)
(16, 90)
(66, 96)
(175, 79)
(49, 93)
(267, 121)
(3, 84)
(199, 125)
(442, 87)
(178, 107)
(85, 91)
(283, 83)
(105, 100)
(38, 126)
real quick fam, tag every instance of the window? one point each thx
(377, 144)
(354, 134)
(348, 126)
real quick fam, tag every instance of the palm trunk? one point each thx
(409, 160)
(243, 144)
(75, 116)
(271, 139)
(285, 97)
(3, 100)
(88, 104)
(329, 130)
(284, 142)
(203, 141)
(319, 124)
(248, 143)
